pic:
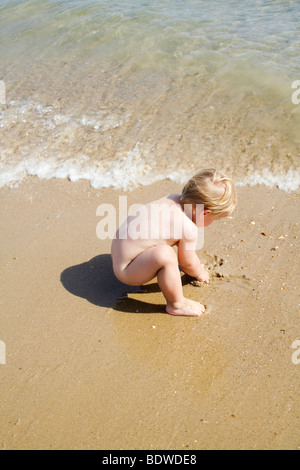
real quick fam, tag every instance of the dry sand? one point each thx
(86, 370)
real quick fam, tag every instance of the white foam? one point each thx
(290, 181)
(140, 166)
(126, 173)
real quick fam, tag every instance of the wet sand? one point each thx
(91, 364)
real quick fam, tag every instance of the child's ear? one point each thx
(206, 212)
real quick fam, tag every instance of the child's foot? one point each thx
(187, 307)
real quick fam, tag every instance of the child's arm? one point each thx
(189, 261)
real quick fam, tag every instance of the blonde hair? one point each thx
(212, 188)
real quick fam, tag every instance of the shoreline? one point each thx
(75, 337)
(289, 182)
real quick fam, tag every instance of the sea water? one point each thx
(124, 93)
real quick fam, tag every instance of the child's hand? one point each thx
(204, 275)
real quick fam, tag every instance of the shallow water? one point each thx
(123, 93)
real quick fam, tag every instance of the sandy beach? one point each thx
(92, 364)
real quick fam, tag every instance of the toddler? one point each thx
(143, 246)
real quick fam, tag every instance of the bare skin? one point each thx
(140, 254)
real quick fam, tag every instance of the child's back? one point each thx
(160, 222)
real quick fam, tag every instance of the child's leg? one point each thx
(161, 262)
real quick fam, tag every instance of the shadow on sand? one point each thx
(95, 281)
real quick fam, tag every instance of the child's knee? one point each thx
(165, 254)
